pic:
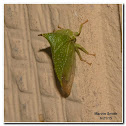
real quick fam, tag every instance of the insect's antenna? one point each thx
(40, 35)
(78, 33)
(85, 22)
(82, 26)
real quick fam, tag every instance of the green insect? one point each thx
(63, 48)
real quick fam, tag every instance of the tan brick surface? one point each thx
(31, 94)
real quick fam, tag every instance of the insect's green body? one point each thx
(63, 52)
(63, 49)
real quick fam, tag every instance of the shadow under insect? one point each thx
(48, 52)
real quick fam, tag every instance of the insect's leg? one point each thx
(77, 50)
(60, 27)
(40, 35)
(84, 50)
(78, 33)
(54, 30)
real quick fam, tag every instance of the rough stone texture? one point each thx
(31, 94)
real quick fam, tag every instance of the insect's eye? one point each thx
(74, 40)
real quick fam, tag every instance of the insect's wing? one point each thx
(68, 71)
(64, 63)
(63, 54)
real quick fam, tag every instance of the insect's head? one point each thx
(73, 40)
(76, 33)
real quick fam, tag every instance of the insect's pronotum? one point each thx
(63, 48)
